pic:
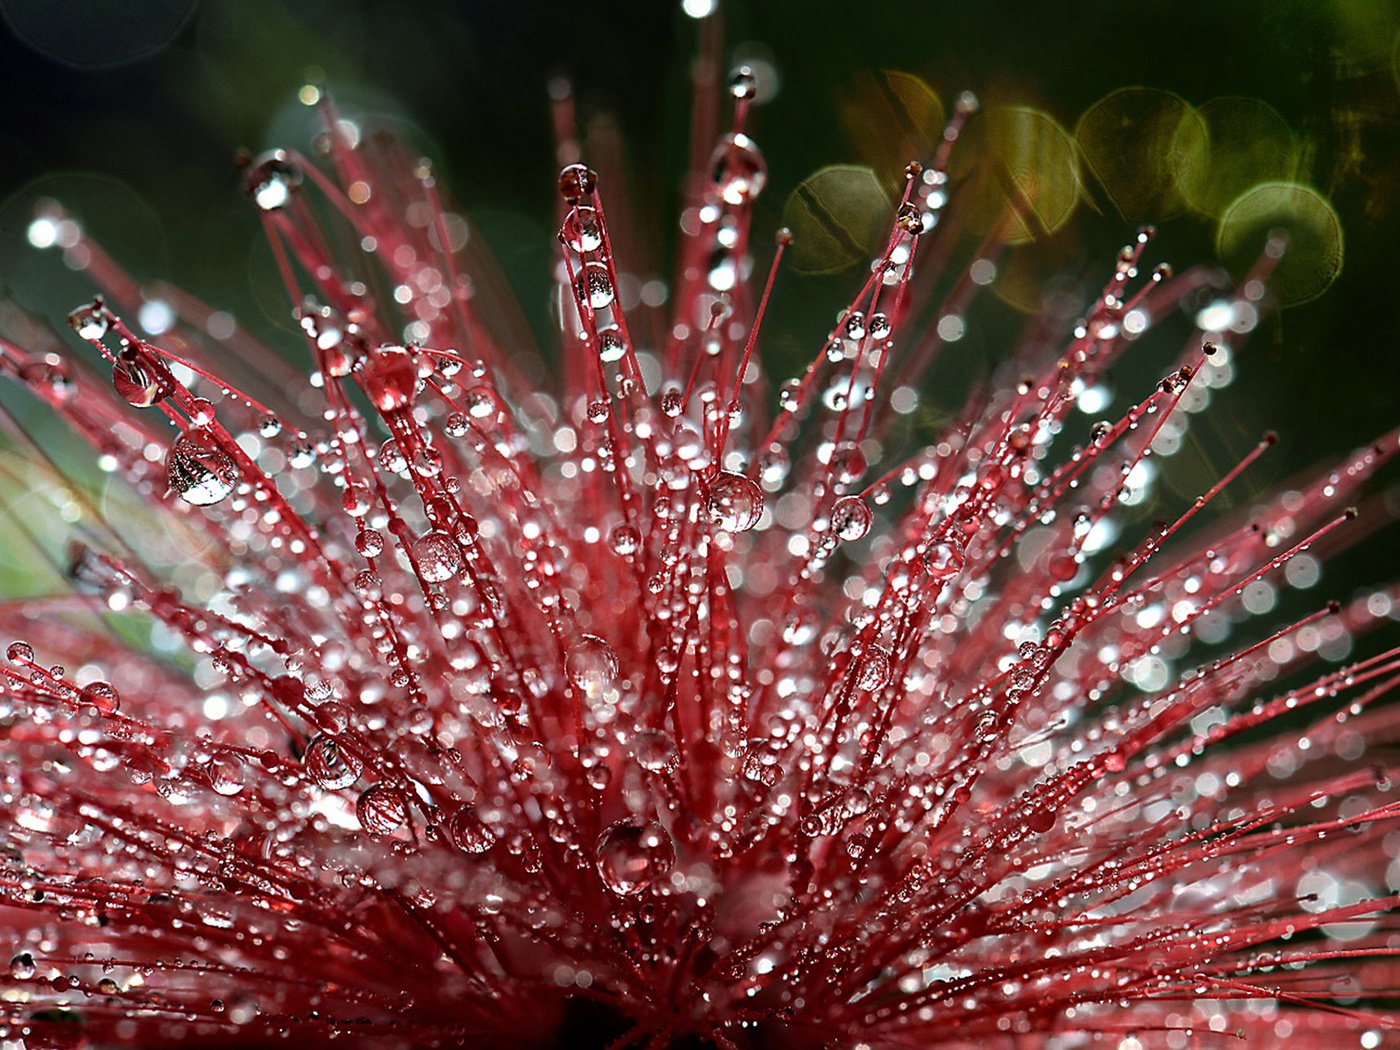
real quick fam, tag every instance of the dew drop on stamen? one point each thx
(874, 672)
(19, 652)
(198, 470)
(381, 810)
(22, 966)
(851, 518)
(469, 832)
(91, 322)
(633, 855)
(593, 286)
(943, 560)
(735, 502)
(272, 179)
(135, 383)
(624, 539)
(577, 181)
(330, 765)
(591, 664)
(100, 695)
(369, 542)
(437, 556)
(611, 348)
(582, 231)
(739, 169)
(655, 750)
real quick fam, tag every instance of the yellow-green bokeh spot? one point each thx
(891, 118)
(1312, 257)
(1234, 144)
(1127, 141)
(838, 216)
(1029, 165)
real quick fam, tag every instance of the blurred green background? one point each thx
(130, 111)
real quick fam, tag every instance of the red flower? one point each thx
(486, 706)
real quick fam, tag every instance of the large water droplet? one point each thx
(135, 383)
(655, 750)
(735, 503)
(100, 695)
(582, 231)
(633, 854)
(19, 652)
(272, 179)
(437, 556)
(851, 518)
(739, 170)
(22, 966)
(943, 560)
(381, 809)
(593, 286)
(591, 664)
(577, 181)
(329, 765)
(198, 470)
(874, 670)
(469, 831)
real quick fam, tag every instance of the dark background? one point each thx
(130, 111)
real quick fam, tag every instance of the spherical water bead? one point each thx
(943, 560)
(19, 652)
(100, 695)
(851, 518)
(591, 664)
(655, 750)
(356, 500)
(330, 765)
(391, 378)
(456, 425)
(855, 325)
(874, 671)
(634, 854)
(739, 169)
(201, 412)
(136, 384)
(391, 457)
(879, 327)
(480, 402)
(593, 286)
(269, 426)
(22, 966)
(735, 503)
(437, 556)
(625, 539)
(743, 85)
(92, 321)
(225, 776)
(369, 542)
(672, 401)
(760, 763)
(381, 809)
(198, 470)
(911, 218)
(469, 832)
(611, 347)
(577, 181)
(597, 410)
(582, 231)
(272, 179)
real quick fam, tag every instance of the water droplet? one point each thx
(20, 652)
(851, 518)
(593, 286)
(22, 966)
(480, 402)
(735, 502)
(437, 556)
(272, 179)
(591, 664)
(391, 378)
(943, 560)
(100, 695)
(633, 854)
(625, 539)
(328, 764)
(743, 85)
(91, 321)
(874, 670)
(469, 831)
(655, 750)
(611, 347)
(198, 470)
(739, 169)
(582, 231)
(369, 542)
(269, 426)
(381, 809)
(577, 181)
(136, 384)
